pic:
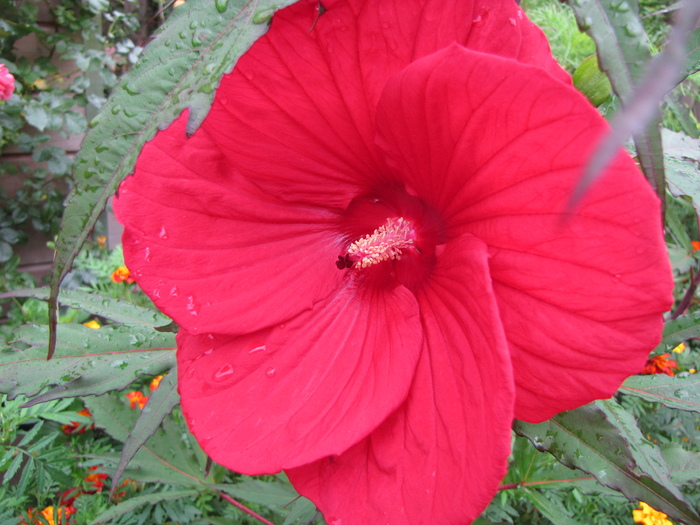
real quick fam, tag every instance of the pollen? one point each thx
(385, 243)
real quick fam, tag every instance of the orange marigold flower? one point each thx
(137, 398)
(661, 364)
(102, 241)
(156, 382)
(96, 480)
(122, 274)
(75, 427)
(648, 516)
(696, 245)
(62, 515)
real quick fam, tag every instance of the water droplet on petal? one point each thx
(162, 233)
(260, 348)
(207, 352)
(191, 308)
(224, 372)
(147, 254)
(174, 291)
(512, 21)
(270, 372)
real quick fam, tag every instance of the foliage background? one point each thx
(654, 421)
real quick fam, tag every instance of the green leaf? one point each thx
(164, 458)
(117, 310)
(550, 508)
(617, 30)
(132, 504)
(682, 165)
(684, 464)
(692, 64)
(88, 361)
(160, 403)
(36, 115)
(674, 392)
(623, 53)
(602, 439)
(301, 511)
(272, 495)
(180, 69)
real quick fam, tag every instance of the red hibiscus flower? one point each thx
(368, 247)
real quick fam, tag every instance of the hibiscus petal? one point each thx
(390, 34)
(498, 147)
(297, 112)
(310, 388)
(440, 457)
(213, 251)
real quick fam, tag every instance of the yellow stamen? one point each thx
(386, 242)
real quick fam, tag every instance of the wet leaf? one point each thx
(678, 392)
(602, 439)
(180, 69)
(87, 361)
(117, 310)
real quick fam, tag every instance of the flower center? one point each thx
(390, 227)
(386, 242)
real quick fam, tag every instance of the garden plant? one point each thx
(383, 262)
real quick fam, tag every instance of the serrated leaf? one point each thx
(678, 330)
(550, 508)
(623, 53)
(163, 458)
(87, 361)
(117, 310)
(602, 439)
(678, 392)
(134, 503)
(181, 68)
(160, 403)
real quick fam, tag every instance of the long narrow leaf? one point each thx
(87, 362)
(603, 440)
(160, 403)
(181, 68)
(682, 393)
(117, 310)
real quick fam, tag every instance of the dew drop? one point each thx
(174, 292)
(210, 336)
(208, 352)
(162, 233)
(156, 292)
(147, 254)
(512, 21)
(682, 394)
(477, 19)
(224, 372)
(260, 348)
(270, 372)
(190, 306)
